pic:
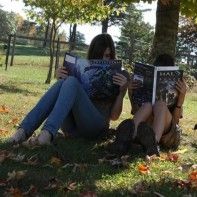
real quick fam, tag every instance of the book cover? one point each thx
(144, 74)
(165, 84)
(94, 75)
(157, 83)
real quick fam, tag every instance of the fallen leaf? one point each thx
(194, 166)
(55, 161)
(143, 169)
(193, 176)
(172, 157)
(4, 109)
(16, 175)
(70, 187)
(13, 121)
(4, 132)
(33, 160)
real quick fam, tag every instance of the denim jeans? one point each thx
(66, 101)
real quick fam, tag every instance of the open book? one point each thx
(156, 83)
(94, 75)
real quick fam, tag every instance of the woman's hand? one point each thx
(181, 87)
(120, 80)
(61, 73)
(133, 84)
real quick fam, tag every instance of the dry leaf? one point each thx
(193, 176)
(70, 187)
(4, 109)
(13, 121)
(194, 166)
(55, 161)
(16, 175)
(33, 160)
(172, 157)
(143, 169)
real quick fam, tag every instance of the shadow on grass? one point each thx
(79, 164)
(13, 89)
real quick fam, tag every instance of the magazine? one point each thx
(94, 75)
(156, 83)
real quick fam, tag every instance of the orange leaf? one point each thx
(4, 109)
(193, 176)
(143, 169)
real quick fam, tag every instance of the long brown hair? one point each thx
(98, 46)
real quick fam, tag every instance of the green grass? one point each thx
(22, 86)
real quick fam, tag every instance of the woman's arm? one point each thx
(177, 113)
(121, 81)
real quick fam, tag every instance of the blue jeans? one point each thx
(66, 101)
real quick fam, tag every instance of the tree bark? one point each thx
(46, 34)
(166, 29)
(52, 49)
(105, 25)
(72, 39)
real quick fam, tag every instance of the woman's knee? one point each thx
(159, 107)
(73, 81)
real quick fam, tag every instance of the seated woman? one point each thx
(159, 118)
(66, 103)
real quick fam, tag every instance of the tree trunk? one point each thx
(52, 49)
(166, 29)
(46, 34)
(72, 39)
(105, 25)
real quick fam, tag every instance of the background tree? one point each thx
(58, 12)
(136, 36)
(187, 39)
(7, 24)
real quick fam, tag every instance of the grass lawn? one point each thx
(76, 167)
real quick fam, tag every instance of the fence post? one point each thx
(57, 55)
(8, 52)
(13, 50)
